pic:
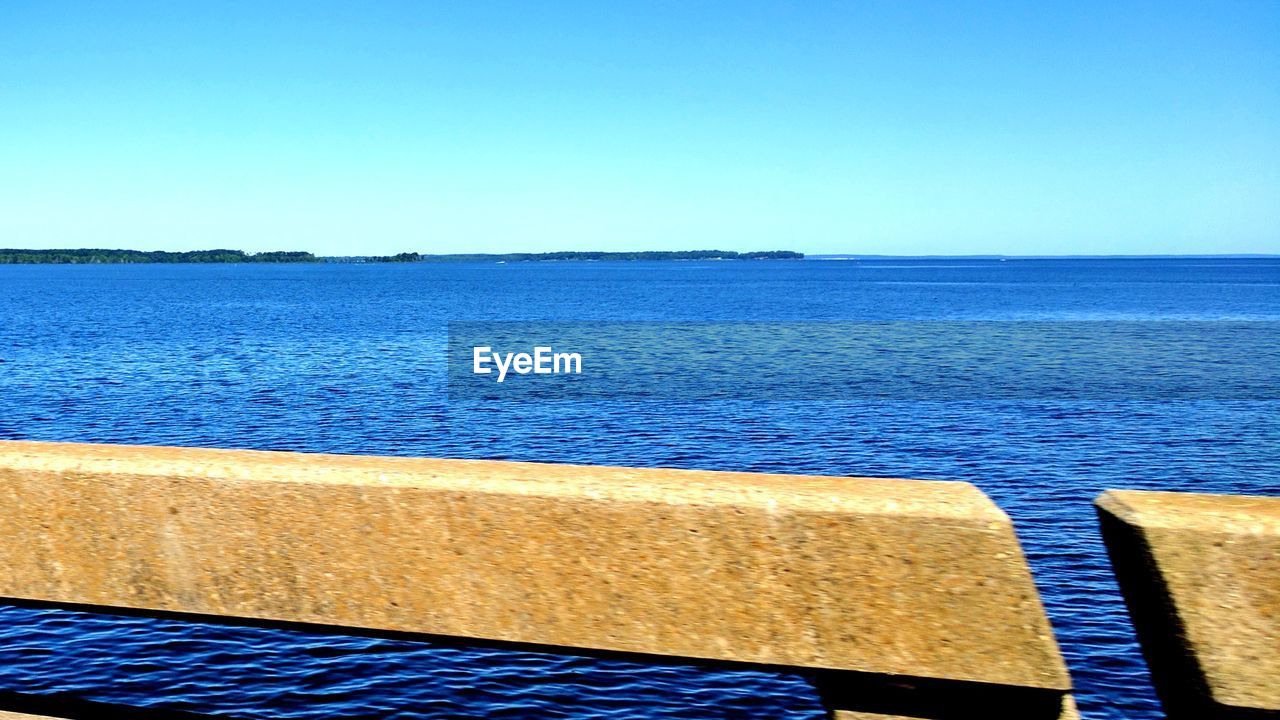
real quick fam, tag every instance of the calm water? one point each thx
(350, 359)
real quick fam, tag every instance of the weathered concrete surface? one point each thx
(908, 578)
(1201, 576)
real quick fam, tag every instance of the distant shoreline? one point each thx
(93, 256)
(90, 256)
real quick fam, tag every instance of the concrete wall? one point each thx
(1201, 577)
(873, 586)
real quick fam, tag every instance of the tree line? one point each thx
(98, 256)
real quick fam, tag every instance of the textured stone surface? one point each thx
(910, 578)
(1201, 575)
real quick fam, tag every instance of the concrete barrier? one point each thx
(1201, 577)
(896, 597)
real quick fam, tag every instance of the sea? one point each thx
(351, 358)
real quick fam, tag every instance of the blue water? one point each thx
(349, 359)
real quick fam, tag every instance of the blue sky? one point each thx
(899, 128)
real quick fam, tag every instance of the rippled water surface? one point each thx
(349, 358)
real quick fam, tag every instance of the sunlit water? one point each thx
(349, 359)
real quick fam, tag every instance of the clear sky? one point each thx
(900, 128)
